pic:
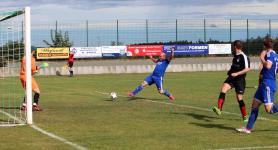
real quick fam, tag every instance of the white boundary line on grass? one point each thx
(248, 148)
(74, 145)
(208, 110)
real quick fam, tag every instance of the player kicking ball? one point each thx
(236, 79)
(267, 87)
(157, 76)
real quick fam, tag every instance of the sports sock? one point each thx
(24, 100)
(242, 108)
(36, 98)
(274, 109)
(221, 100)
(166, 93)
(252, 118)
(137, 90)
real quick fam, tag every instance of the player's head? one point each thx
(33, 51)
(268, 43)
(162, 56)
(237, 45)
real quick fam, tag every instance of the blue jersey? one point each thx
(160, 68)
(269, 74)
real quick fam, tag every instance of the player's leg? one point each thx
(239, 89)
(227, 85)
(23, 83)
(147, 81)
(254, 114)
(36, 90)
(70, 69)
(269, 106)
(159, 86)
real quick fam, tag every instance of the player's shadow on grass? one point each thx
(143, 98)
(197, 116)
(210, 125)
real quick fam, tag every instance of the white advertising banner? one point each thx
(220, 49)
(86, 52)
(110, 51)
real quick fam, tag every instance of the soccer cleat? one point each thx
(243, 130)
(245, 119)
(23, 108)
(216, 110)
(36, 107)
(171, 98)
(130, 94)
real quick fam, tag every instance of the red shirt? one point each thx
(71, 57)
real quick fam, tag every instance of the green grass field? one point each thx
(75, 109)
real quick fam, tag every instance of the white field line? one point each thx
(190, 107)
(209, 110)
(248, 148)
(76, 146)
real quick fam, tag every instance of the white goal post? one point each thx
(15, 42)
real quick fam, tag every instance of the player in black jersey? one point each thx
(235, 79)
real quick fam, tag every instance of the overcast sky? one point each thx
(77, 10)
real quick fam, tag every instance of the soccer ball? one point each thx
(113, 95)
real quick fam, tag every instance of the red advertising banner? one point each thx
(144, 50)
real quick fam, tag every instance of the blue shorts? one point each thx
(265, 94)
(154, 79)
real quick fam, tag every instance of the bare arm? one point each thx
(172, 55)
(153, 59)
(265, 63)
(240, 72)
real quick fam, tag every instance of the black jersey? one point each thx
(240, 62)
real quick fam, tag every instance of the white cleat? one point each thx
(243, 130)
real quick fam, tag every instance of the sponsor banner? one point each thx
(53, 53)
(188, 49)
(113, 51)
(86, 52)
(220, 49)
(144, 50)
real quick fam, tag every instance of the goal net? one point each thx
(12, 48)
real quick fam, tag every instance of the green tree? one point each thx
(59, 39)
(10, 52)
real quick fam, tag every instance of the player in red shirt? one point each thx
(70, 63)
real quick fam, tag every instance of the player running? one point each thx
(157, 76)
(235, 79)
(35, 87)
(70, 63)
(267, 87)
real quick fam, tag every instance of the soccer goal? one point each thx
(15, 42)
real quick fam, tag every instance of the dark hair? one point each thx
(237, 44)
(268, 43)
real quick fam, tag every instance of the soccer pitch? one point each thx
(79, 110)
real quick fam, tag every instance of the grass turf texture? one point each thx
(75, 111)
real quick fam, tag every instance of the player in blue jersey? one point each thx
(267, 87)
(157, 76)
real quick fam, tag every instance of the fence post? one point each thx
(147, 31)
(56, 27)
(247, 38)
(230, 30)
(205, 38)
(87, 32)
(117, 32)
(176, 30)
(269, 23)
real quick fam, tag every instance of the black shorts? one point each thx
(70, 64)
(237, 83)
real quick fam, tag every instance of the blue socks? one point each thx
(252, 118)
(274, 109)
(137, 90)
(166, 93)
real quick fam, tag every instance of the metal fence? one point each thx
(124, 32)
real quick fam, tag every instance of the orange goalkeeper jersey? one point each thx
(23, 70)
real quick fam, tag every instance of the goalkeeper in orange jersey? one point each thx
(35, 87)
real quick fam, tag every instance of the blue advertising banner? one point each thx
(188, 49)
